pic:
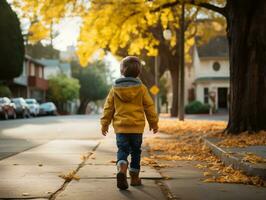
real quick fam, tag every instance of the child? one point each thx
(125, 105)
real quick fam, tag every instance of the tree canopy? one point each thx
(39, 51)
(135, 28)
(62, 89)
(93, 81)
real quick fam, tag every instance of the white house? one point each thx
(54, 67)
(209, 73)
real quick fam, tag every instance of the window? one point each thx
(32, 69)
(206, 95)
(40, 72)
(216, 66)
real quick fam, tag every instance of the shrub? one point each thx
(196, 107)
(5, 91)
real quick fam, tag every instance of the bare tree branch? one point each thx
(221, 10)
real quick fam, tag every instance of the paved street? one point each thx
(34, 152)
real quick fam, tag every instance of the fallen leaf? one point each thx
(207, 174)
(70, 176)
(200, 166)
(253, 158)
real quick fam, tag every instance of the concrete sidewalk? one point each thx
(34, 173)
(98, 178)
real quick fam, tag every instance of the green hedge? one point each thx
(196, 107)
(5, 91)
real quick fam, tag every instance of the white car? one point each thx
(34, 106)
(48, 108)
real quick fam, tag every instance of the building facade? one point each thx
(207, 79)
(31, 83)
(54, 67)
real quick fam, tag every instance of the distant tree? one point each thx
(62, 89)
(93, 81)
(39, 51)
(11, 43)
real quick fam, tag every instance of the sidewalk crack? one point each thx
(82, 164)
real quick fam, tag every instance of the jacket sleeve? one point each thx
(149, 109)
(108, 111)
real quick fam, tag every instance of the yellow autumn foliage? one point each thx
(114, 24)
(43, 32)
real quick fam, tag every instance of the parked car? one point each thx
(22, 108)
(48, 108)
(34, 106)
(7, 108)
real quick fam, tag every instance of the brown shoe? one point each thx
(121, 176)
(134, 178)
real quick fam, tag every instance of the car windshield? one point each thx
(29, 101)
(47, 105)
(15, 100)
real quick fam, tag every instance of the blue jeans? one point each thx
(129, 144)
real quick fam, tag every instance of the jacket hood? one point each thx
(127, 88)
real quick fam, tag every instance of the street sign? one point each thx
(154, 90)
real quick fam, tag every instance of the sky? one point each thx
(68, 33)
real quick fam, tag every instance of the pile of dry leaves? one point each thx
(187, 145)
(191, 126)
(244, 139)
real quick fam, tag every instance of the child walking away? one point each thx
(126, 106)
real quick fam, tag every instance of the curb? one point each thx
(236, 162)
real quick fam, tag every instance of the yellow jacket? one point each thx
(126, 104)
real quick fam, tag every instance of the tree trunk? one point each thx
(174, 79)
(83, 106)
(247, 46)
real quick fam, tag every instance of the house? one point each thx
(208, 75)
(54, 67)
(31, 83)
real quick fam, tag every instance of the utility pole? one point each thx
(181, 110)
(51, 34)
(156, 73)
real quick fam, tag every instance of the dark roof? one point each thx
(219, 78)
(216, 47)
(27, 57)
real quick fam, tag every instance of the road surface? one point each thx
(40, 158)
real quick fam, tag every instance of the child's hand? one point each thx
(104, 131)
(155, 131)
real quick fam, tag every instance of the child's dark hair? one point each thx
(130, 66)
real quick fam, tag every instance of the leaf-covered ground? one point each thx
(184, 143)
